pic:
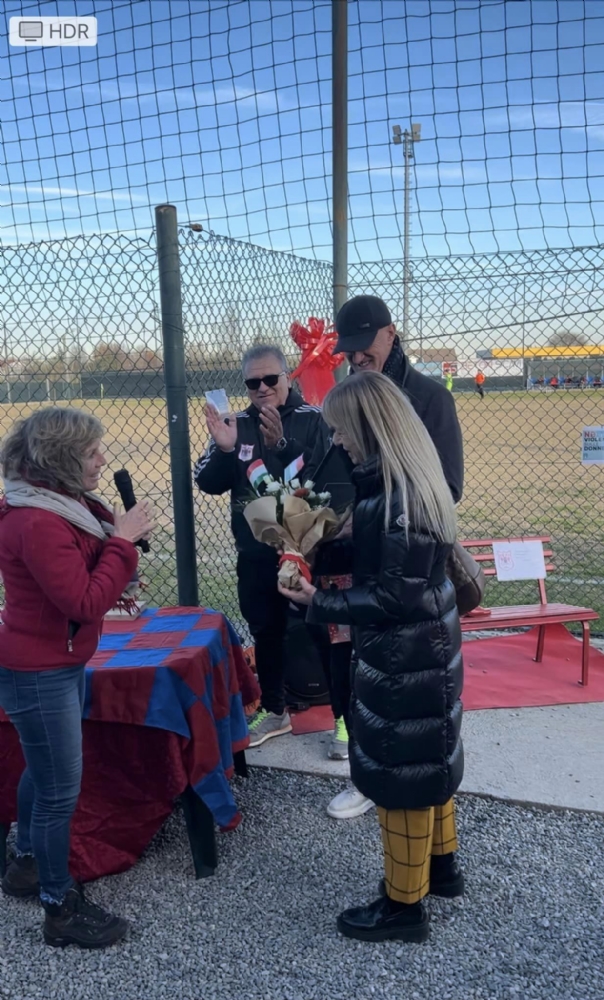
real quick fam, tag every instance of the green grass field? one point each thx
(523, 476)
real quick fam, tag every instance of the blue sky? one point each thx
(224, 110)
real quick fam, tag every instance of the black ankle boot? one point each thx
(386, 920)
(76, 921)
(21, 878)
(446, 877)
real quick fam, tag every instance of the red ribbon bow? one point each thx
(317, 342)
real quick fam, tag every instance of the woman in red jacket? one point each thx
(65, 560)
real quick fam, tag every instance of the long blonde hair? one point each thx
(378, 419)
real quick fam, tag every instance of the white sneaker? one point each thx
(348, 804)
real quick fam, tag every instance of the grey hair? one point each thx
(48, 447)
(262, 351)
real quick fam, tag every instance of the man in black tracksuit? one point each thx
(367, 335)
(280, 430)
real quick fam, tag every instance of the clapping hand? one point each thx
(222, 429)
(270, 425)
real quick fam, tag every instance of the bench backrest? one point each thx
(482, 551)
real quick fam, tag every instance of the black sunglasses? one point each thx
(270, 381)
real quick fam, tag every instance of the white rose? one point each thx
(273, 488)
(324, 497)
(308, 485)
(295, 484)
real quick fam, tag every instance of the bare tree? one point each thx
(109, 356)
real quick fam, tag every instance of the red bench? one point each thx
(542, 614)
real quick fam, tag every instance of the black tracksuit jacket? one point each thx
(220, 472)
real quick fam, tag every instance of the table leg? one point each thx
(240, 764)
(3, 835)
(201, 832)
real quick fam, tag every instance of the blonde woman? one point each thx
(405, 748)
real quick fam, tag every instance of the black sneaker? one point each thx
(385, 920)
(446, 877)
(21, 878)
(76, 921)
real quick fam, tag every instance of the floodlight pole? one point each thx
(407, 140)
(339, 138)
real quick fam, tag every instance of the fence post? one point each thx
(339, 139)
(166, 228)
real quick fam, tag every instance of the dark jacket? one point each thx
(435, 407)
(59, 583)
(405, 748)
(221, 472)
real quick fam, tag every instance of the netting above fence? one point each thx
(223, 108)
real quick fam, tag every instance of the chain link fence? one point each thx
(83, 328)
(523, 319)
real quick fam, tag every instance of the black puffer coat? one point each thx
(405, 747)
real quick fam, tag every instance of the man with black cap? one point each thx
(368, 337)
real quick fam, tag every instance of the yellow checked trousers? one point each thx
(410, 838)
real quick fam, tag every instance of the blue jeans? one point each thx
(45, 706)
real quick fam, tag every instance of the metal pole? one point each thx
(407, 154)
(421, 323)
(176, 403)
(6, 364)
(339, 138)
(524, 367)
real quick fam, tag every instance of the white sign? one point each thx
(34, 31)
(592, 447)
(519, 560)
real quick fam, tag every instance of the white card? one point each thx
(219, 399)
(519, 560)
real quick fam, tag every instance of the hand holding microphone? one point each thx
(138, 522)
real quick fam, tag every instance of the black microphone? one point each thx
(123, 482)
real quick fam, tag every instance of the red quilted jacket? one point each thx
(59, 582)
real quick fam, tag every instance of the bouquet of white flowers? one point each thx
(290, 517)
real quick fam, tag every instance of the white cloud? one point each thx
(66, 192)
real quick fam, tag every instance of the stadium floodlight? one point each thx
(406, 139)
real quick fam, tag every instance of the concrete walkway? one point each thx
(549, 756)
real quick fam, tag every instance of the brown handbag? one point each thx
(467, 577)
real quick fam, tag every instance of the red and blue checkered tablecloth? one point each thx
(181, 670)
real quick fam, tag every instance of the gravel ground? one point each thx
(531, 925)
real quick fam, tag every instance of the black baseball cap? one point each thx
(358, 322)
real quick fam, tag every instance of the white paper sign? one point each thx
(592, 447)
(519, 560)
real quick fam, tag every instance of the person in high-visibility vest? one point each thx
(480, 380)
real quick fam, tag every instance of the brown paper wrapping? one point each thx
(302, 530)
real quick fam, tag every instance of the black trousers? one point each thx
(265, 611)
(336, 660)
